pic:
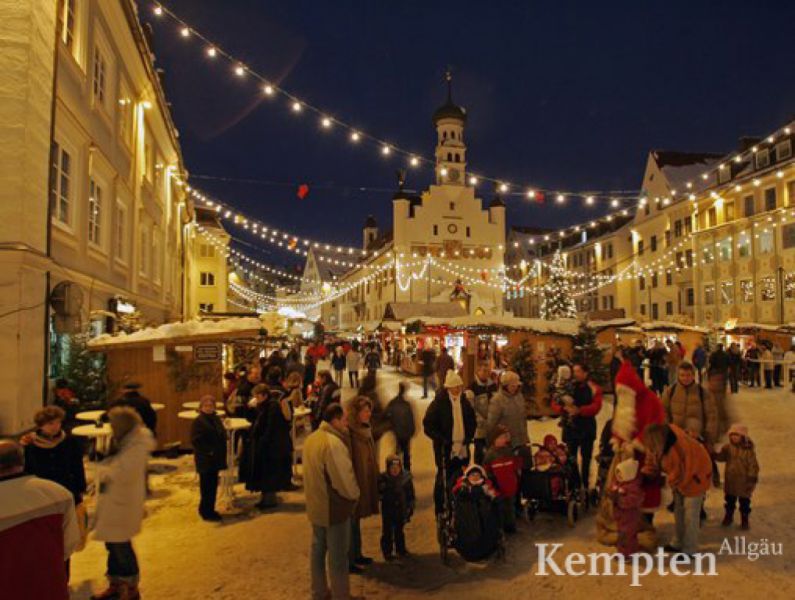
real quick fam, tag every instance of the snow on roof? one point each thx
(187, 329)
(400, 311)
(673, 326)
(760, 326)
(559, 326)
(622, 322)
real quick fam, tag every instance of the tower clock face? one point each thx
(453, 174)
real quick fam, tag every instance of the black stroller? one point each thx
(469, 522)
(552, 491)
(603, 462)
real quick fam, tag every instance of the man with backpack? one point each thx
(690, 405)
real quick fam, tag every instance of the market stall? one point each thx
(181, 362)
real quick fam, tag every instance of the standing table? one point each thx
(96, 433)
(232, 426)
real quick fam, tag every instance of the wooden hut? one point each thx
(180, 362)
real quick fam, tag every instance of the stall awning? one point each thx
(505, 323)
(412, 311)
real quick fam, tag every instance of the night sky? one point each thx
(567, 95)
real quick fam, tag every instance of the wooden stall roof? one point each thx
(185, 332)
(565, 327)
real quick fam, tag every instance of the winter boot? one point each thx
(111, 593)
(129, 591)
(728, 518)
(744, 523)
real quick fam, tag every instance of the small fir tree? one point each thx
(556, 302)
(85, 371)
(588, 352)
(521, 360)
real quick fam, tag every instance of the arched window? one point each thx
(457, 157)
(444, 135)
(449, 157)
(452, 135)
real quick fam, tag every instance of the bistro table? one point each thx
(156, 406)
(233, 426)
(300, 413)
(90, 415)
(193, 413)
(195, 405)
(96, 433)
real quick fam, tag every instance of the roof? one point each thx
(370, 221)
(208, 217)
(449, 110)
(496, 202)
(568, 327)
(682, 167)
(401, 311)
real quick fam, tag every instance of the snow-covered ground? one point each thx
(265, 555)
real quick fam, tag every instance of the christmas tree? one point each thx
(588, 352)
(556, 301)
(85, 371)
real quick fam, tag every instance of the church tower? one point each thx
(449, 120)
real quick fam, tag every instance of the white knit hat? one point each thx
(453, 379)
(509, 377)
(627, 470)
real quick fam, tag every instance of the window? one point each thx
(609, 252)
(653, 243)
(788, 236)
(789, 286)
(99, 80)
(689, 257)
(149, 157)
(712, 217)
(724, 173)
(709, 294)
(94, 212)
(770, 199)
(690, 296)
(67, 19)
(669, 278)
(706, 255)
(744, 245)
(646, 210)
(791, 193)
(452, 206)
(725, 250)
(727, 292)
(783, 149)
(206, 307)
(125, 115)
(435, 230)
(728, 211)
(767, 288)
(746, 291)
(120, 232)
(655, 314)
(688, 223)
(155, 270)
(640, 247)
(61, 175)
(765, 241)
(678, 228)
(680, 259)
(468, 231)
(206, 251)
(642, 282)
(762, 158)
(748, 203)
(667, 238)
(643, 309)
(669, 308)
(654, 280)
(143, 258)
(207, 279)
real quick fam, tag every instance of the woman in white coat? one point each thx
(120, 504)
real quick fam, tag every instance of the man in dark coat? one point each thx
(450, 422)
(140, 404)
(272, 447)
(444, 364)
(428, 358)
(401, 418)
(208, 438)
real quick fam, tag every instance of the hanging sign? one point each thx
(203, 353)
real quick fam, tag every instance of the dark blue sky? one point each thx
(561, 94)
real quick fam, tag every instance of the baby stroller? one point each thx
(469, 522)
(603, 462)
(552, 490)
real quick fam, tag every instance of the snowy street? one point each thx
(265, 555)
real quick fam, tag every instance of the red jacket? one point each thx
(504, 467)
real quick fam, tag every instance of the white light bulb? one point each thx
(385, 150)
(473, 180)
(296, 107)
(589, 200)
(268, 89)
(503, 187)
(240, 71)
(614, 203)
(185, 32)
(211, 52)
(326, 122)
(561, 198)
(158, 10)
(355, 136)
(443, 171)
(531, 194)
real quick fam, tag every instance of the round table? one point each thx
(232, 426)
(89, 415)
(192, 414)
(195, 405)
(302, 411)
(96, 433)
(157, 406)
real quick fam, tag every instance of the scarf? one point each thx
(40, 440)
(459, 450)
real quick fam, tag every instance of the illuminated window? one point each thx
(61, 177)
(99, 81)
(744, 245)
(67, 19)
(746, 291)
(207, 279)
(727, 292)
(709, 294)
(725, 250)
(766, 242)
(767, 288)
(94, 212)
(120, 232)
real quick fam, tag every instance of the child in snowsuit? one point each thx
(396, 489)
(552, 456)
(504, 468)
(627, 495)
(741, 474)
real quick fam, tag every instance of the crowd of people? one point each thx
(670, 435)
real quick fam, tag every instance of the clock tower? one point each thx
(449, 120)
